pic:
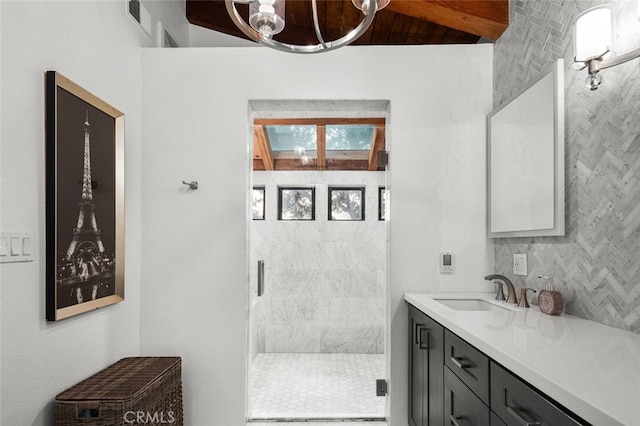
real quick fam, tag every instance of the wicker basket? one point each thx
(133, 391)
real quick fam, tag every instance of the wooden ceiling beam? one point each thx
(378, 144)
(318, 121)
(485, 18)
(321, 144)
(293, 164)
(261, 145)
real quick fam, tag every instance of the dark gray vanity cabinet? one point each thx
(452, 383)
(426, 370)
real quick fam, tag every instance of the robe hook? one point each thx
(192, 185)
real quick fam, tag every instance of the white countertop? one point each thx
(590, 368)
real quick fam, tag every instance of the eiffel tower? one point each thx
(86, 271)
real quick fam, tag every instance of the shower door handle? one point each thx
(260, 277)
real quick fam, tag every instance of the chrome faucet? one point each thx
(511, 291)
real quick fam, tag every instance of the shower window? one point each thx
(382, 203)
(346, 203)
(296, 203)
(257, 205)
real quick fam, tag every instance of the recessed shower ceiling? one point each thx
(402, 22)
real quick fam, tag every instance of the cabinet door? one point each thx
(462, 407)
(417, 370)
(495, 420)
(426, 374)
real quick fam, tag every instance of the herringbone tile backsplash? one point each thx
(596, 265)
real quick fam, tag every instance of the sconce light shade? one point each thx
(592, 38)
(593, 34)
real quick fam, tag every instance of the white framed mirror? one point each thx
(525, 160)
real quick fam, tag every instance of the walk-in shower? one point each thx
(318, 300)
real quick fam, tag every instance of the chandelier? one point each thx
(266, 19)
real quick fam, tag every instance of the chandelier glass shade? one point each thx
(267, 18)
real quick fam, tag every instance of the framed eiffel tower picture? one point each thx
(84, 200)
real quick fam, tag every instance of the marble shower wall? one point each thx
(325, 281)
(596, 264)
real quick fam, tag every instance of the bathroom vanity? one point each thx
(474, 361)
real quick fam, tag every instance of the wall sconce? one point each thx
(593, 38)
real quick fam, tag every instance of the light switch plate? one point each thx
(16, 247)
(4, 243)
(520, 264)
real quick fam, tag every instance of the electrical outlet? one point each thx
(520, 264)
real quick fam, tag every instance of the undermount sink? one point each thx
(472, 305)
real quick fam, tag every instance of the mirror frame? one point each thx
(557, 70)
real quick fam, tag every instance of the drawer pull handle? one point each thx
(416, 333)
(515, 412)
(424, 338)
(454, 420)
(459, 364)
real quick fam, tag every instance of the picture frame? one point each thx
(346, 204)
(84, 200)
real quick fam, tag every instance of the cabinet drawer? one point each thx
(517, 404)
(495, 420)
(468, 363)
(461, 406)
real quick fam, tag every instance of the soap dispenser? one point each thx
(549, 300)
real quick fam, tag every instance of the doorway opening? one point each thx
(317, 261)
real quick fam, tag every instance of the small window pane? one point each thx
(257, 206)
(382, 203)
(296, 204)
(346, 203)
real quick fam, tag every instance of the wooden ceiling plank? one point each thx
(258, 164)
(347, 165)
(486, 18)
(261, 144)
(382, 26)
(212, 15)
(401, 27)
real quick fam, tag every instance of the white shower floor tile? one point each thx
(316, 386)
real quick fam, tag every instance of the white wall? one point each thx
(95, 45)
(195, 126)
(1, 344)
